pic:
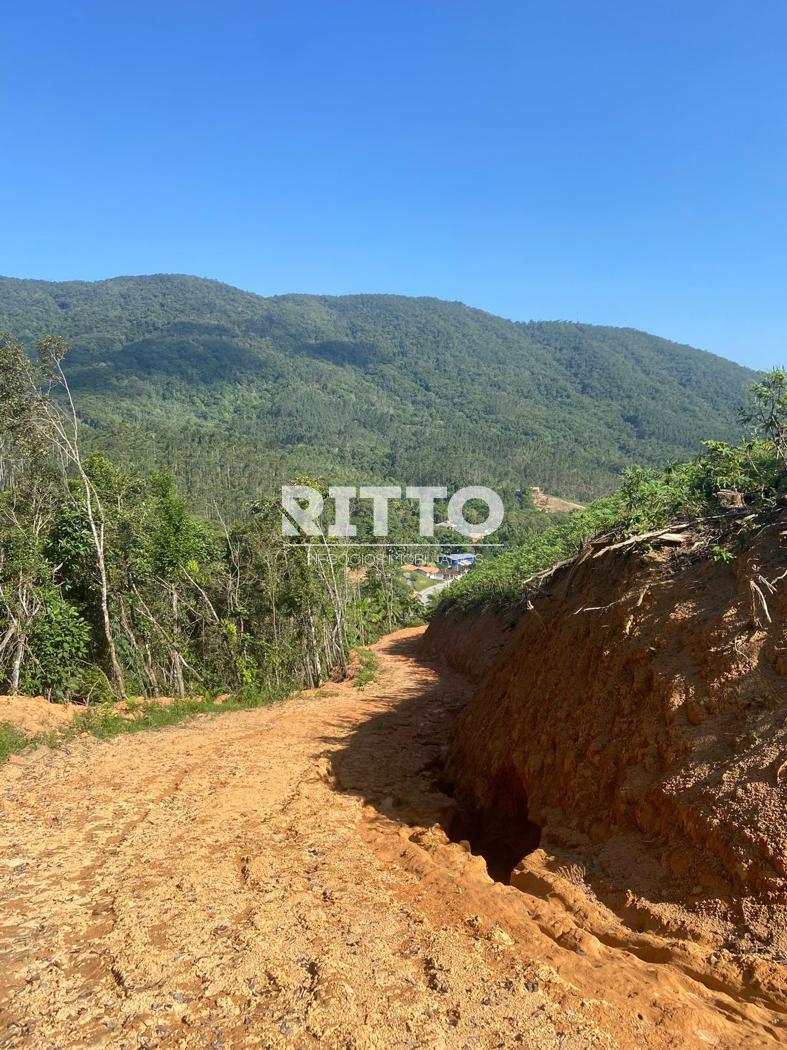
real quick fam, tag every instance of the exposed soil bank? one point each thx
(637, 717)
(469, 642)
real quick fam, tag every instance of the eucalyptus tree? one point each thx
(39, 424)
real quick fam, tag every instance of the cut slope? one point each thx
(179, 370)
(637, 715)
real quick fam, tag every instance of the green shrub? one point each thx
(58, 646)
(646, 500)
(368, 668)
(11, 740)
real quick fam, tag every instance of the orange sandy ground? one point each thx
(281, 878)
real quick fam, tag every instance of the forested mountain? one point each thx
(236, 392)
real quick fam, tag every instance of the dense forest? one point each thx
(111, 586)
(236, 393)
(141, 550)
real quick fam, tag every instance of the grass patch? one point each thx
(368, 668)
(420, 583)
(12, 740)
(107, 720)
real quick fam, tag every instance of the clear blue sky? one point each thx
(612, 162)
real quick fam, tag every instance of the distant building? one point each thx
(460, 562)
(424, 570)
(463, 558)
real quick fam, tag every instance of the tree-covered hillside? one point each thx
(236, 392)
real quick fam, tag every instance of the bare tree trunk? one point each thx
(97, 533)
(151, 671)
(315, 668)
(16, 670)
(177, 662)
(69, 447)
(274, 622)
(339, 603)
(131, 637)
(177, 667)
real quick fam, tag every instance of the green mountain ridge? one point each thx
(239, 392)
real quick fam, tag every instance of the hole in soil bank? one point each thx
(502, 832)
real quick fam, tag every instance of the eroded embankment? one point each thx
(630, 733)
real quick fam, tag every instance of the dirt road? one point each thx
(281, 878)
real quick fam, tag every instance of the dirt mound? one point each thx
(634, 726)
(35, 714)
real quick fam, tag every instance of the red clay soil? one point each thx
(469, 642)
(631, 735)
(283, 877)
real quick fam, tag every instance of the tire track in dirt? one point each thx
(281, 878)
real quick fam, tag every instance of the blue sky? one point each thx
(611, 162)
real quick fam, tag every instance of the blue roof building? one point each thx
(458, 560)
